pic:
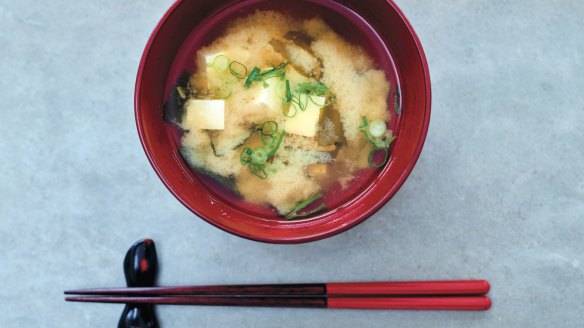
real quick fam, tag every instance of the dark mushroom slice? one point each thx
(330, 128)
(301, 39)
(286, 49)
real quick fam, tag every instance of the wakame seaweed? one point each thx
(228, 182)
(174, 108)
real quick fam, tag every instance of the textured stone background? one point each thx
(498, 192)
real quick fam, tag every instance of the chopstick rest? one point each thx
(140, 270)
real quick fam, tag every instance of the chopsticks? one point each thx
(416, 295)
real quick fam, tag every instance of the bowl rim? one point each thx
(317, 235)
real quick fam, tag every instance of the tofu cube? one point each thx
(215, 77)
(271, 96)
(305, 122)
(205, 114)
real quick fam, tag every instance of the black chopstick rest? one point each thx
(141, 270)
(141, 264)
(138, 316)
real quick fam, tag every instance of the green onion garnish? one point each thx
(364, 129)
(258, 171)
(279, 71)
(288, 92)
(387, 139)
(259, 156)
(269, 128)
(380, 138)
(245, 156)
(377, 128)
(258, 75)
(312, 89)
(257, 159)
(221, 63)
(302, 104)
(372, 154)
(294, 213)
(276, 143)
(290, 110)
(181, 92)
(252, 77)
(267, 131)
(238, 70)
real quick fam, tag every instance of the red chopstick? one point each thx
(462, 303)
(433, 295)
(428, 288)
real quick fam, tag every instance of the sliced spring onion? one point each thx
(288, 92)
(259, 156)
(253, 76)
(364, 129)
(365, 123)
(316, 89)
(294, 214)
(257, 75)
(302, 101)
(267, 140)
(258, 171)
(323, 104)
(377, 128)
(276, 143)
(312, 88)
(238, 70)
(269, 128)
(279, 71)
(380, 138)
(181, 92)
(387, 139)
(289, 110)
(257, 159)
(245, 156)
(268, 131)
(221, 63)
(372, 155)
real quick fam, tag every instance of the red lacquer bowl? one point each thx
(188, 24)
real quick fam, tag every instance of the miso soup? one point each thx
(284, 112)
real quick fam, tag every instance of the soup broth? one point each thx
(284, 113)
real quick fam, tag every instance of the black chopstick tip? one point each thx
(83, 299)
(76, 292)
(86, 299)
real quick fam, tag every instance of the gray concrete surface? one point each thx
(498, 192)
